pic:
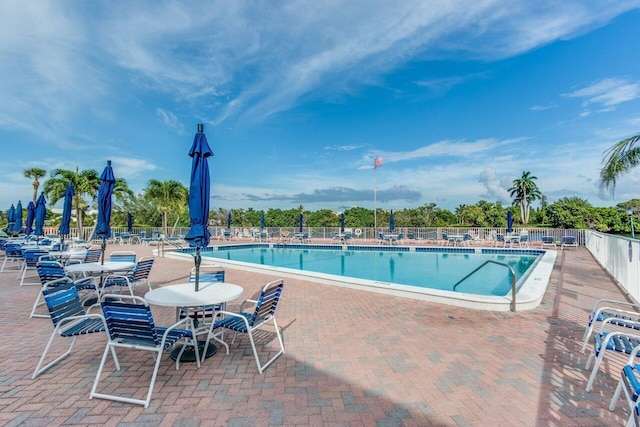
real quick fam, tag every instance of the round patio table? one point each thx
(184, 295)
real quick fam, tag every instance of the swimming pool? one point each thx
(428, 273)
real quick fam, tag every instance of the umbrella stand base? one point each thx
(190, 356)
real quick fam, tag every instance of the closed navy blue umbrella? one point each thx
(342, 222)
(509, 222)
(18, 222)
(103, 225)
(129, 223)
(262, 219)
(65, 223)
(41, 215)
(31, 214)
(11, 219)
(199, 189)
(229, 221)
(392, 221)
(301, 221)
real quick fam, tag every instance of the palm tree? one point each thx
(85, 186)
(525, 191)
(619, 159)
(35, 174)
(168, 196)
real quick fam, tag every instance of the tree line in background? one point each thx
(165, 204)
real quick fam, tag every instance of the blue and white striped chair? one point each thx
(130, 325)
(569, 242)
(93, 255)
(122, 256)
(202, 316)
(69, 318)
(31, 259)
(12, 253)
(620, 312)
(247, 322)
(621, 341)
(51, 274)
(630, 383)
(140, 274)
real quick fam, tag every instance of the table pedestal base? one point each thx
(190, 356)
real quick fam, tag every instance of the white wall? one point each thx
(620, 256)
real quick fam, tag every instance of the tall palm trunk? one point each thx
(164, 223)
(36, 184)
(175, 224)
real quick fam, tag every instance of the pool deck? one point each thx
(354, 358)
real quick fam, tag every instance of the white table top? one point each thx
(185, 295)
(96, 267)
(65, 254)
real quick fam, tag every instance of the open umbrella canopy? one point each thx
(509, 222)
(31, 214)
(262, 219)
(199, 188)
(392, 221)
(342, 222)
(129, 222)
(17, 227)
(301, 221)
(41, 214)
(11, 219)
(65, 223)
(107, 181)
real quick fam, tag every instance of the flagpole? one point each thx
(375, 210)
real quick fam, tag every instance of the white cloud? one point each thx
(170, 120)
(607, 92)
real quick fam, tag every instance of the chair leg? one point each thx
(145, 402)
(596, 365)
(261, 368)
(40, 369)
(585, 337)
(616, 395)
(215, 337)
(37, 304)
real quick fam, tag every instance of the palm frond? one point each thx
(618, 160)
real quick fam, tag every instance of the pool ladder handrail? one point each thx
(513, 280)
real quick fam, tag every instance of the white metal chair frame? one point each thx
(620, 311)
(69, 318)
(247, 323)
(605, 340)
(630, 383)
(114, 315)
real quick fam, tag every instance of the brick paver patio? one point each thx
(353, 359)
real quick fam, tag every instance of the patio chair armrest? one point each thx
(94, 306)
(70, 319)
(186, 320)
(616, 302)
(248, 301)
(220, 313)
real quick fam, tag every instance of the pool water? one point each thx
(433, 269)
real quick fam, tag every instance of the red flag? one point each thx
(377, 162)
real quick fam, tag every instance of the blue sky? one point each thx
(298, 98)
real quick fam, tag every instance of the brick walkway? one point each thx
(353, 359)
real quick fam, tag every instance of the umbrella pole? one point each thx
(104, 247)
(198, 261)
